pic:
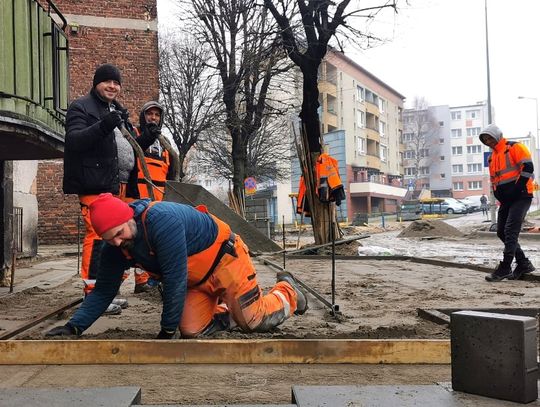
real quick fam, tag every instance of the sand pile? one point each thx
(430, 227)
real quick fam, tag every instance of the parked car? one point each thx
(443, 205)
(473, 206)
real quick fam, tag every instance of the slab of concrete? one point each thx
(71, 397)
(495, 355)
(440, 395)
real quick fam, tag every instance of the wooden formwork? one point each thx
(352, 351)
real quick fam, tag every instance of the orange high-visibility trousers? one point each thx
(92, 244)
(233, 286)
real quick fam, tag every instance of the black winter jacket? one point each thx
(90, 155)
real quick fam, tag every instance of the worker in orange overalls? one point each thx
(511, 171)
(209, 282)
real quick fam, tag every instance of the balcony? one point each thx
(370, 188)
(327, 87)
(372, 109)
(373, 161)
(35, 82)
(373, 134)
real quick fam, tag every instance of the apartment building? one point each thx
(449, 159)
(368, 114)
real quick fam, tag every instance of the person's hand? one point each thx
(153, 131)
(165, 334)
(66, 330)
(125, 114)
(110, 121)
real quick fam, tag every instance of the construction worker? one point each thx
(511, 172)
(97, 158)
(209, 283)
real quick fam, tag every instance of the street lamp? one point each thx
(536, 143)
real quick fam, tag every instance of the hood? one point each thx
(493, 131)
(139, 206)
(146, 106)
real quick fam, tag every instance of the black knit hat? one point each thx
(106, 72)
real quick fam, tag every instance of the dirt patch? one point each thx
(430, 228)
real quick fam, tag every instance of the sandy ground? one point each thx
(377, 298)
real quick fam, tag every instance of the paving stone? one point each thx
(439, 395)
(495, 355)
(71, 397)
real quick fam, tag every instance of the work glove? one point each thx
(66, 330)
(110, 121)
(165, 334)
(153, 131)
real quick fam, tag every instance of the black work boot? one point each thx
(523, 266)
(502, 271)
(301, 297)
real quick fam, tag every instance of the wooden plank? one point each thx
(268, 351)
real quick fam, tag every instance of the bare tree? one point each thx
(268, 152)
(307, 26)
(421, 131)
(247, 55)
(190, 95)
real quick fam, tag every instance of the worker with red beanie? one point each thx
(209, 282)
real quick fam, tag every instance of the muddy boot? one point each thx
(523, 266)
(113, 309)
(301, 297)
(121, 302)
(502, 271)
(142, 288)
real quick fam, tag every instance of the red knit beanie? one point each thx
(107, 212)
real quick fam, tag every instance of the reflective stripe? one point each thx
(89, 282)
(526, 174)
(286, 305)
(525, 161)
(507, 181)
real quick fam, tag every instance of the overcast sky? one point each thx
(436, 49)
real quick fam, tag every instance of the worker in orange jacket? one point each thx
(511, 172)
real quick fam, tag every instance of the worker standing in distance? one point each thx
(511, 172)
(209, 282)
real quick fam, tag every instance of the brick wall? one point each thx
(135, 52)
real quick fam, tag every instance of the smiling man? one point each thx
(97, 159)
(209, 283)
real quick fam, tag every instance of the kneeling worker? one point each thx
(209, 282)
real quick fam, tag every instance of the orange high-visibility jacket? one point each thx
(506, 164)
(302, 205)
(158, 169)
(329, 185)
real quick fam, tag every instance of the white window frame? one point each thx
(456, 115)
(475, 185)
(457, 150)
(457, 186)
(457, 168)
(456, 133)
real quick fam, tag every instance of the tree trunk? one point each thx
(239, 173)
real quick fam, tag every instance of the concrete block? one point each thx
(71, 397)
(495, 355)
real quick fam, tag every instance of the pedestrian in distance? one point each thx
(511, 173)
(209, 282)
(98, 159)
(484, 205)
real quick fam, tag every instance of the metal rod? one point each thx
(13, 253)
(284, 248)
(333, 237)
(37, 320)
(78, 244)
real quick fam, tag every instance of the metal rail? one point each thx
(37, 320)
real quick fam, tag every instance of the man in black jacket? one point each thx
(98, 159)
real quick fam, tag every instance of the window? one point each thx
(410, 171)
(457, 150)
(457, 186)
(456, 133)
(424, 171)
(456, 115)
(441, 141)
(474, 167)
(382, 105)
(457, 169)
(472, 114)
(473, 131)
(360, 93)
(443, 176)
(207, 182)
(425, 186)
(476, 149)
(441, 124)
(409, 154)
(360, 119)
(424, 152)
(382, 128)
(384, 153)
(442, 157)
(361, 145)
(408, 137)
(475, 184)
